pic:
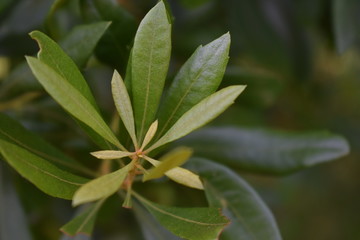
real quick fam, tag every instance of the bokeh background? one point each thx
(299, 58)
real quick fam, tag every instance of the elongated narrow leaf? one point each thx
(15, 133)
(84, 222)
(150, 134)
(250, 218)
(123, 105)
(267, 151)
(171, 160)
(151, 229)
(202, 113)
(111, 154)
(51, 54)
(13, 224)
(71, 99)
(188, 223)
(47, 177)
(150, 61)
(199, 77)
(101, 187)
(80, 43)
(180, 175)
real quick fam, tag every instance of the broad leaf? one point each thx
(80, 43)
(346, 22)
(71, 99)
(47, 177)
(123, 105)
(84, 222)
(169, 161)
(101, 187)
(188, 223)
(151, 229)
(180, 175)
(15, 133)
(199, 77)
(199, 115)
(250, 218)
(267, 151)
(110, 154)
(13, 224)
(150, 61)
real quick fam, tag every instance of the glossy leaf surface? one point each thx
(71, 99)
(150, 61)
(188, 223)
(267, 151)
(199, 77)
(46, 176)
(199, 115)
(250, 218)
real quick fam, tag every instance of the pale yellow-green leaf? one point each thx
(150, 134)
(110, 154)
(123, 105)
(101, 187)
(169, 161)
(180, 175)
(199, 115)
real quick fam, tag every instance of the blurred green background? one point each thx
(299, 59)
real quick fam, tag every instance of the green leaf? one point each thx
(150, 134)
(51, 54)
(46, 176)
(15, 133)
(199, 115)
(13, 224)
(180, 175)
(80, 43)
(250, 218)
(199, 77)
(169, 161)
(267, 151)
(84, 222)
(123, 105)
(150, 61)
(188, 223)
(346, 24)
(101, 187)
(151, 229)
(71, 99)
(110, 154)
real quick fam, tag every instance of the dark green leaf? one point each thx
(188, 223)
(71, 99)
(199, 77)
(13, 224)
(346, 23)
(267, 151)
(46, 176)
(199, 115)
(80, 43)
(150, 61)
(84, 222)
(151, 228)
(13, 132)
(250, 217)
